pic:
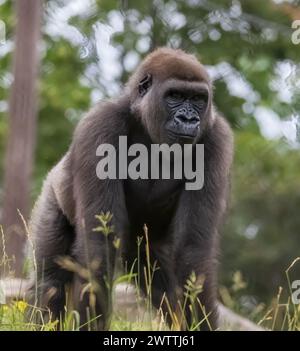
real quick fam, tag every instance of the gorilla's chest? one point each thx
(151, 202)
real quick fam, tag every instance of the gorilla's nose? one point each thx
(186, 115)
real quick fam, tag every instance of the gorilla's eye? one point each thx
(176, 95)
(196, 98)
(199, 98)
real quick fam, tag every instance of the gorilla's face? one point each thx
(186, 107)
(174, 111)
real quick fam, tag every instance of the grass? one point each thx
(137, 313)
(281, 315)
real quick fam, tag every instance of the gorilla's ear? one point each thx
(145, 84)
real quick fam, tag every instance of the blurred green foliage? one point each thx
(261, 235)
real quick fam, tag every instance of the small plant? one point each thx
(281, 315)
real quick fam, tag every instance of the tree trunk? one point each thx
(22, 125)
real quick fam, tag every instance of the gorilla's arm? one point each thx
(198, 217)
(92, 196)
(64, 217)
(52, 234)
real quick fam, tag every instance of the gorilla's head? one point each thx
(171, 94)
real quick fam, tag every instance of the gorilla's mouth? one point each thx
(187, 130)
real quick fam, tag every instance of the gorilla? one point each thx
(167, 100)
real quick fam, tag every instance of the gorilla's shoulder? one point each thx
(104, 123)
(221, 139)
(222, 127)
(104, 113)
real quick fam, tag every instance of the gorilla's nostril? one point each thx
(186, 118)
(181, 118)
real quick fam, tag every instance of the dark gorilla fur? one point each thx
(182, 225)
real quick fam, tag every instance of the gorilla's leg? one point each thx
(93, 285)
(184, 293)
(52, 238)
(157, 281)
(196, 276)
(196, 254)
